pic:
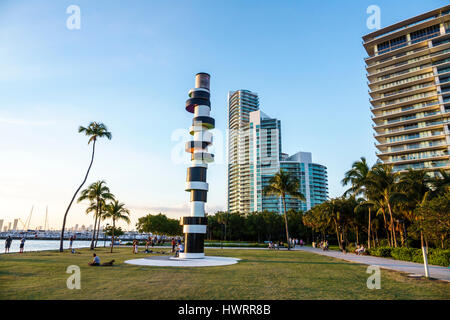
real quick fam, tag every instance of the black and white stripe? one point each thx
(194, 226)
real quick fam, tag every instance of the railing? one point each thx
(403, 44)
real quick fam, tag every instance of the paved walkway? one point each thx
(436, 272)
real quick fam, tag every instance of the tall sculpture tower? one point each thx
(194, 226)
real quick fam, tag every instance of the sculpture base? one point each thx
(192, 255)
(170, 261)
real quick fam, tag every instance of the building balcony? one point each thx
(432, 126)
(418, 59)
(432, 95)
(418, 159)
(383, 144)
(400, 93)
(425, 107)
(405, 149)
(430, 116)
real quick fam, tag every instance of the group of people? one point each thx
(321, 244)
(274, 245)
(177, 245)
(8, 243)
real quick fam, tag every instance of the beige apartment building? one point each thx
(408, 72)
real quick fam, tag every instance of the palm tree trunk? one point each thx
(286, 222)
(93, 232)
(386, 227)
(368, 232)
(98, 232)
(112, 239)
(394, 240)
(61, 243)
(357, 237)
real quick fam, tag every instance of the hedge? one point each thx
(437, 257)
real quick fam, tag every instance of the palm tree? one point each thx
(97, 193)
(358, 176)
(116, 211)
(383, 180)
(283, 184)
(415, 187)
(441, 182)
(93, 131)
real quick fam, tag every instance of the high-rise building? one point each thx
(408, 71)
(313, 180)
(16, 221)
(240, 104)
(1, 224)
(264, 154)
(255, 156)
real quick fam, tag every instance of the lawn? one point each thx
(262, 274)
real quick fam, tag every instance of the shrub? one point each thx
(405, 254)
(437, 257)
(384, 252)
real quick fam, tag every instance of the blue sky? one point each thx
(131, 65)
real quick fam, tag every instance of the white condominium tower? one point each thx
(408, 71)
(240, 104)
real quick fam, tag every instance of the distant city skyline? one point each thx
(131, 66)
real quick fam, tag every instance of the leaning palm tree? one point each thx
(93, 131)
(284, 184)
(97, 193)
(116, 211)
(357, 176)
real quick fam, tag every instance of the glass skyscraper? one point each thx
(313, 180)
(255, 155)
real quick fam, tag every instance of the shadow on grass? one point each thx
(294, 262)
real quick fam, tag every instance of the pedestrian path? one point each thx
(413, 268)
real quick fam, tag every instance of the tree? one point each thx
(383, 181)
(434, 218)
(110, 231)
(357, 176)
(413, 190)
(116, 211)
(93, 131)
(283, 184)
(159, 224)
(97, 193)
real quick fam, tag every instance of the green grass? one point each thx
(262, 274)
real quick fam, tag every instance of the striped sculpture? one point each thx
(194, 226)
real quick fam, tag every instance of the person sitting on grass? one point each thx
(360, 250)
(95, 261)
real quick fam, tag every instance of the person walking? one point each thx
(70, 242)
(8, 242)
(173, 244)
(135, 246)
(22, 244)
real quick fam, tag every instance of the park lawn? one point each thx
(262, 274)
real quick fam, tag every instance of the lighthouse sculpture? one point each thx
(194, 225)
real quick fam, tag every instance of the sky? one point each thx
(130, 66)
